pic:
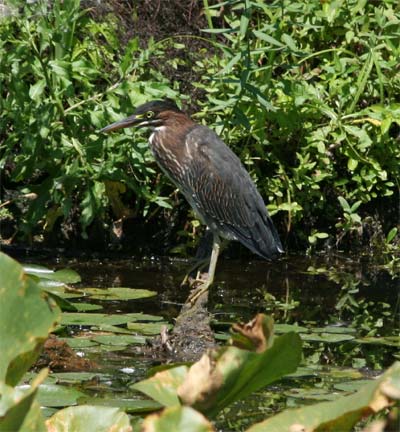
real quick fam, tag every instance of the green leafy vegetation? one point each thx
(304, 92)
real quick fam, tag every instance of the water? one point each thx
(314, 292)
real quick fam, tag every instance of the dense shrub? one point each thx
(305, 92)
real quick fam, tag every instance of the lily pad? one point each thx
(79, 342)
(118, 293)
(88, 319)
(86, 307)
(326, 337)
(177, 419)
(132, 406)
(351, 386)
(89, 418)
(119, 340)
(334, 329)
(312, 394)
(26, 318)
(112, 329)
(388, 340)
(285, 328)
(55, 395)
(64, 275)
(77, 377)
(147, 328)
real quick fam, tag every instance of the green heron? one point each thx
(210, 176)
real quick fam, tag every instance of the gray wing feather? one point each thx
(222, 191)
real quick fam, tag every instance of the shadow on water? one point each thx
(314, 292)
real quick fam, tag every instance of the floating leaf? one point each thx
(77, 377)
(60, 289)
(147, 328)
(119, 340)
(118, 293)
(89, 418)
(87, 319)
(132, 406)
(64, 276)
(55, 395)
(78, 342)
(327, 337)
(85, 307)
(285, 328)
(177, 419)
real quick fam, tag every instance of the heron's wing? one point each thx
(224, 194)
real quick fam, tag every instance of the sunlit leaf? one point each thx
(26, 318)
(119, 340)
(147, 328)
(89, 418)
(89, 318)
(19, 410)
(163, 386)
(118, 293)
(56, 395)
(177, 419)
(340, 414)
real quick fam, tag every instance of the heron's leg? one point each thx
(199, 265)
(202, 257)
(205, 285)
(213, 261)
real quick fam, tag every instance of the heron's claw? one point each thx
(198, 291)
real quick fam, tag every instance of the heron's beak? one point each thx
(133, 120)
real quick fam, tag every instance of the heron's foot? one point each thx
(199, 265)
(198, 291)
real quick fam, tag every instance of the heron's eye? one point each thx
(150, 114)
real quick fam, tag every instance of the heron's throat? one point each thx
(155, 131)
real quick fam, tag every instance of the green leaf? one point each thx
(266, 38)
(87, 319)
(355, 206)
(19, 411)
(391, 235)
(345, 205)
(289, 42)
(177, 419)
(147, 328)
(118, 293)
(55, 395)
(352, 164)
(36, 90)
(89, 418)
(119, 340)
(327, 337)
(340, 414)
(163, 386)
(26, 319)
(228, 374)
(64, 276)
(238, 373)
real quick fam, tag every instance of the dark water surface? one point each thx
(313, 292)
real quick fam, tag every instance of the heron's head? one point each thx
(151, 114)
